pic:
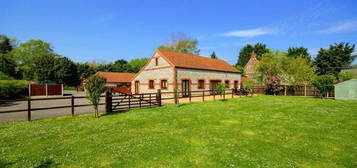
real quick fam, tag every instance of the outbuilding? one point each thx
(346, 90)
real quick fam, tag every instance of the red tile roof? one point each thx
(196, 62)
(116, 77)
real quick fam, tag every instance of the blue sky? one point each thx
(107, 30)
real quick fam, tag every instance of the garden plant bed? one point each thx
(258, 131)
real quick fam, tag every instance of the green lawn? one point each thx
(261, 131)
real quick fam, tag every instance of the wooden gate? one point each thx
(124, 101)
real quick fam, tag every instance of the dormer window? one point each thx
(156, 61)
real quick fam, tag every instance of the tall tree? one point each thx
(84, 71)
(338, 56)
(35, 59)
(271, 65)
(213, 55)
(7, 63)
(299, 52)
(66, 72)
(246, 52)
(181, 43)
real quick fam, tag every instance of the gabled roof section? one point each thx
(116, 77)
(196, 62)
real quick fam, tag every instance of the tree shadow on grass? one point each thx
(5, 164)
(114, 113)
(46, 164)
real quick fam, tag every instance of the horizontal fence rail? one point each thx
(30, 109)
(124, 101)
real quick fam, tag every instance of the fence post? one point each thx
(141, 97)
(150, 99)
(285, 90)
(189, 95)
(305, 90)
(72, 103)
(203, 95)
(46, 90)
(224, 94)
(129, 101)
(158, 98)
(232, 93)
(29, 109)
(214, 95)
(108, 101)
(176, 96)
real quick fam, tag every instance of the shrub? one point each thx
(221, 87)
(3, 76)
(94, 87)
(324, 84)
(13, 89)
(274, 85)
(248, 87)
(346, 75)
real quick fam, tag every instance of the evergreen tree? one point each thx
(299, 52)
(246, 52)
(338, 56)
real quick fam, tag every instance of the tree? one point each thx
(137, 64)
(7, 63)
(269, 66)
(346, 75)
(324, 84)
(84, 71)
(331, 61)
(213, 55)
(66, 72)
(246, 52)
(181, 43)
(35, 59)
(299, 52)
(94, 87)
(297, 71)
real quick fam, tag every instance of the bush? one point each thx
(221, 87)
(248, 87)
(13, 89)
(3, 76)
(324, 84)
(69, 88)
(346, 75)
(274, 85)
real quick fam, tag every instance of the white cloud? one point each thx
(346, 26)
(250, 32)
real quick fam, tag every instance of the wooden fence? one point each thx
(45, 89)
(293, 91)
(30, 109)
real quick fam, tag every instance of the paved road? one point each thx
(20, 116)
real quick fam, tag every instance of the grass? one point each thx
(69, 88)
(261, 131)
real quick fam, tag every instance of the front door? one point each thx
(185, 88)
(213, 85)
(137, 84)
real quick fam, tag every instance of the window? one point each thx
(235, 84)
(156, 61)
(201, 84)
(151, 84)
(227, 83)
(163, 84)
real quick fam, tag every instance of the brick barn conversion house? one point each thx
(249, 68)
(167, 70)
